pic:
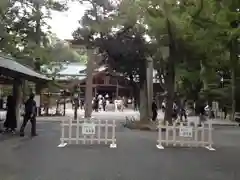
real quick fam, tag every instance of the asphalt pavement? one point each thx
(135, 158)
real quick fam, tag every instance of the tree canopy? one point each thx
(194, 44)
(26, 35)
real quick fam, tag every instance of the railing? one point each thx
(88, 131)
(237, 115)
(185, 135)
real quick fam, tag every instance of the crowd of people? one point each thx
(203, 110)
(101, 102)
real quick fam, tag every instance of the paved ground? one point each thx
(136, 157)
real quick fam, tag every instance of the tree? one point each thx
(22, 35)
(22, 25)
(127, 53)
(216, 21)
(230, 22)
(190, 42)
(91, 27)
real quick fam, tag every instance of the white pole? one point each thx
(113, 145)
(106, 131)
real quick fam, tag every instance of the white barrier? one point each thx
(88, 131)
(185, 136)
(2, 118)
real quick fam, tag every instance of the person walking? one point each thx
(104, 102)
(183, 111)
(135, 106)
(11, 121)
(30, 114)
(224, 109)
(202, 113)
(175, 112)
(154, 111)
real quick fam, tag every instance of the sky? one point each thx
(64, 23)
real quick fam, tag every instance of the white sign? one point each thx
(88, 128)
(185, 132)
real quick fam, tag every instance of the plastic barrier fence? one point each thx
(88, 131)
(185, 136)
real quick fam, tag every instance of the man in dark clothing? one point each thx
(30, 114)
(96, 104)
(154, 111)
(104, 102)
(183, 111)
(81, 103)
(135, 106)
(11, 122)
(225, 111)
(202, 113)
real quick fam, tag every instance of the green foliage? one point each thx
(201, 33)
(96, 22)
(21, 26)
(124, 50)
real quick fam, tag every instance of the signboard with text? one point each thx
(185, 131)
(88, 128)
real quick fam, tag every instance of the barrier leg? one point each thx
(62, 144)
(209, 147)
(113, 144)
(159, 145)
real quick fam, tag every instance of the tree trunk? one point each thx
(203, 76)
(17, 95)
(89, 84)
(170, 74)
(150, 86)
(170, 82)
(38, 87)
(47, 105)
(233, 84)
(234, 64)
(64, 106)
(144, 116)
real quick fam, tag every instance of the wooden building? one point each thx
(105, 81)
